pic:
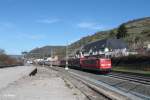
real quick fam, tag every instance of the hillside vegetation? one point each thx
(137, 33)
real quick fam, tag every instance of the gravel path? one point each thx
(45, 85)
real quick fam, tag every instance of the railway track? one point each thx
(95, 82)
(130, 77)
(88, 91)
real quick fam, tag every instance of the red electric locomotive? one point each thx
(99, 64)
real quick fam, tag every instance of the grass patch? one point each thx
(134, 71)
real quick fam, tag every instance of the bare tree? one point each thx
(2, 51)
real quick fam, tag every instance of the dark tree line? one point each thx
(121, 32)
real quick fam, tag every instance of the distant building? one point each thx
(148, 46)
(144, 49)
(107, 47)
(52, 58)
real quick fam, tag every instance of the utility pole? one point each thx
(43, 59)
(66, 67)
(51, 57)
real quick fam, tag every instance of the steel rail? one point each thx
(137, 79)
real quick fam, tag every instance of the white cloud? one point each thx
(90, 25)
(47, 21)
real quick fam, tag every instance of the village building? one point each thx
(107, 47)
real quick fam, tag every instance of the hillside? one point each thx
(47, 51)
(138, 33)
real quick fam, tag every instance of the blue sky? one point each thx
(27, 24)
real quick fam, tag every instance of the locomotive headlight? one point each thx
(103, 64)
(109, 64)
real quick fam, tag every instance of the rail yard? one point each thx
(126, 85)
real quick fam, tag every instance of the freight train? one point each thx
(90, 63)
